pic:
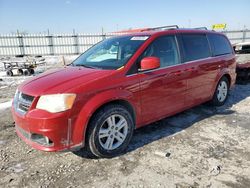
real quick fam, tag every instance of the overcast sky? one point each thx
(85, 16)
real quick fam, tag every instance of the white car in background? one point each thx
(242, 47)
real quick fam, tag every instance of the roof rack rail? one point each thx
(162, 28)
(201, 28)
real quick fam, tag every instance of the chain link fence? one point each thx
(238, 36)
(70, 44)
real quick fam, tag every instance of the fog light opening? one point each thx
(40, 139)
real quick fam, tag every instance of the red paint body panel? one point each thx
(153, 95)
(243, 65)
(53, 126)
(62, 80)
(162, 92)
(243, 71)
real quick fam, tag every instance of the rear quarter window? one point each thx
(194, 47)
(219, 45)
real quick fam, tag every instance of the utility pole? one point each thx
(50, 43)
(76, 42)
(244, 34)
(103, 35)
(189, 23)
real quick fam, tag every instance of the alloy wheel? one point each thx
(113, 132)
(222, 91)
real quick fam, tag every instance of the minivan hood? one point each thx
(61, 80)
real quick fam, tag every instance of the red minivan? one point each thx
(120, 84)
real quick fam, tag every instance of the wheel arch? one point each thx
(121, 102)
(94, 105)
(228, 78)
(221, 75)
(214, 100)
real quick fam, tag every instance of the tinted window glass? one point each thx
(195, 47)
(164, 48)
(219, 45)
(246, 47)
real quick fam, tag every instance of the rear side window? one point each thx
(219, 44)
(194, 47)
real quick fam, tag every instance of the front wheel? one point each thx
(221, 92)
(110, 131)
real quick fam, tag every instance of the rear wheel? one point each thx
(110, 131)
(221, 92)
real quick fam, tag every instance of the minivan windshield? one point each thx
(111, 53)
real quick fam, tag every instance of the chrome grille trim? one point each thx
(22, 102)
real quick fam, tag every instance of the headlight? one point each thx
(56, 102)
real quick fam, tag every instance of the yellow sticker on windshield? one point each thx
(120, 68)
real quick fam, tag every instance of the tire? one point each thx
(26, 73)
(221, 92)
(31, 71)
(9, 73)
(103, 133)
(19, 55)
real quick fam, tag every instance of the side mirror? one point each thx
(149, 63)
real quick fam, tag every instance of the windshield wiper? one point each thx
(87, 66)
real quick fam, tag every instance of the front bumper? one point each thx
(43, 130)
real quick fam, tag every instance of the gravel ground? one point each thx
(201, 147)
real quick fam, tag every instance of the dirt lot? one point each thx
(201, 147)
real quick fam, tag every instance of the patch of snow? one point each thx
(2, 142)
(3, 87)
(242, 106)
(2, 73)
(5, 105)
(16, 168)
(242, 58)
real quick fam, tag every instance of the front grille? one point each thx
(22, 102)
